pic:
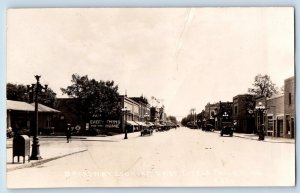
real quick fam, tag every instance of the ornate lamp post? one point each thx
(36, 88)
(224, 119)
(124, 110)
(146, 117)
(260, 109)
(225, 115)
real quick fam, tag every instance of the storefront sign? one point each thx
(100, 124)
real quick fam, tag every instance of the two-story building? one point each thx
(241, 113)
(289, 108)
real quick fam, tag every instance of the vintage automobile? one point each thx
(208, 127)
(227, 129)
(146, 131)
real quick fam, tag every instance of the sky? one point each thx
(184, 57)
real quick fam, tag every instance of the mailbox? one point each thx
(21, 147)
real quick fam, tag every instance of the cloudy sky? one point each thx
(186, 57)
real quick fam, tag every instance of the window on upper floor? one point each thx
(235, 110)
(290, 98)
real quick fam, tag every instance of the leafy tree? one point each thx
(19, 92)
(48, 97)
(263, 86)
(94, 97)
(184, 121)
(172, 119)
(187, 119)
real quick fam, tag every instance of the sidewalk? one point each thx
(267, 138)
(48, 151)
(55, 147)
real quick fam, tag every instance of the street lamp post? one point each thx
(124, 110)
(146, 117)
(225, 115)
(260, 109)
(36, 88)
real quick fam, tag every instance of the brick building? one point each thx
(279, 115)
(242, 105)
(289, 108)
(211, 111)
(275, 116)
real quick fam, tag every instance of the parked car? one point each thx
(146, 131)
(208, 127)
(227, 129)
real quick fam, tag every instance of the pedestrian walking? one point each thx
(68, 133)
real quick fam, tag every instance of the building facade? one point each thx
(21, 117)
(211, 110)
(274, 116)
(241, 113)
(289, 108)
(279, 115)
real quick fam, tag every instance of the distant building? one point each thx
(211, 111)
(154, 114)
(241, 113)
(144, 109)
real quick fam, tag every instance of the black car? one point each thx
(146, 131)
(227, 129)
(208, 127)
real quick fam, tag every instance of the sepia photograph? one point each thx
(150, 97)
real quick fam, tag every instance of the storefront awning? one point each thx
(158, 124)
(150, 124)
(44, 108)
(141, 123)
(18, 106)
(132, 123)
(23, 106)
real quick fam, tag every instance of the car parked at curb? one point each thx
(227, 129)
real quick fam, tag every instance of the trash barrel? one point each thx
(21, 147)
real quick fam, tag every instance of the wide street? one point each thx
(181, 157)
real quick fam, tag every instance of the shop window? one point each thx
(270, 126)
(288, 127)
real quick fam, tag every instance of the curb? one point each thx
(40, 162)
(256, 139)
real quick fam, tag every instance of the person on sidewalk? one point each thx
(68, 133)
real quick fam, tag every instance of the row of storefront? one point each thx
(138, 114)
(248, 112)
